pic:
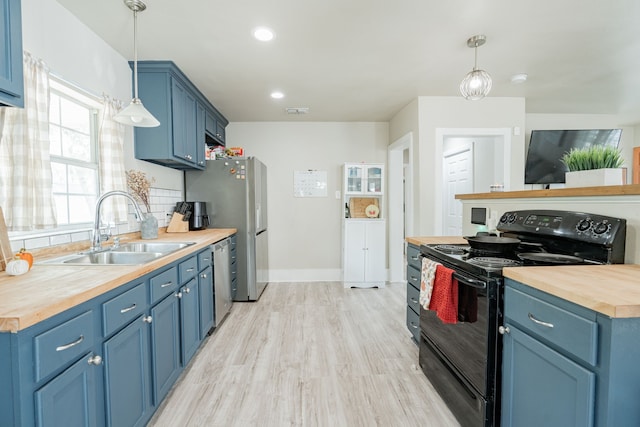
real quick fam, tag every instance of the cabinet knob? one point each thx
(95, 360)
(187, 290)
(504, 330)
(203, 275)
(147, 319)
(178, 295)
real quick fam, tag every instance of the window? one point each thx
(74, 163)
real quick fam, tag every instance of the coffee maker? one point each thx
(198, 218)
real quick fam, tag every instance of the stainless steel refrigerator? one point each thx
(235, 191)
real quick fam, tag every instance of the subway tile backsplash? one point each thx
(162, 202)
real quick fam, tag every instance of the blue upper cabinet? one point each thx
(179, 141)
(11, 82)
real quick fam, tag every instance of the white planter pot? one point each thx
(596, 177)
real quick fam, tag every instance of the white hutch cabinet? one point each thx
(363, 226)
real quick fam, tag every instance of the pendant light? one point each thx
(135, 114)
(477, 83)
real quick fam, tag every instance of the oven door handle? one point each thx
(474, 283)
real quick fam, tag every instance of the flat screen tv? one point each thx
(546, 148)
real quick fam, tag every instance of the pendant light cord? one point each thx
(135, 53)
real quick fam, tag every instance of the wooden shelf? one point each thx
(611, 190)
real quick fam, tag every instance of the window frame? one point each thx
(93, 103)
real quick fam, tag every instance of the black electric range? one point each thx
(463, 360)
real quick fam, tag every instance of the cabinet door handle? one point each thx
(415, 258)
(95, 360)
(205, 259)
(413, 325)
(164, 285)
(413, 278)
(414, 301)
(127, 309)
(189, 270)
(71, 344)
(540, 322)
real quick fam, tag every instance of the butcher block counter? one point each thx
(613, 290)
(49, 289)
(436, 240)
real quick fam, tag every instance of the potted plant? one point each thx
(594, 166)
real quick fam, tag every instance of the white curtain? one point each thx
(112, 171)
(25, 170)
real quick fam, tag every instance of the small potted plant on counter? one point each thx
(594, 166)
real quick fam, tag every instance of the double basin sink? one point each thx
(125, 254)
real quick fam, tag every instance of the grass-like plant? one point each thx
(595, 157)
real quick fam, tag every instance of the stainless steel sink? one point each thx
(163, 248)
(126, 254)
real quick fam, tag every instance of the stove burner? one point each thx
(493, 262)
(451, 249)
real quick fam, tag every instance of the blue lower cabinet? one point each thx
(109, 361)
(189, 320)
(70, 399)
(165, 346)
(205, 285)
(128, 376)
(541, 387)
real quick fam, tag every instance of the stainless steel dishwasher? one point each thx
(221, 280)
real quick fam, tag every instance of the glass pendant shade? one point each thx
(135, 114)
(476, 85)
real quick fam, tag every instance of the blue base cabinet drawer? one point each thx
(63, 344)
(557, 325)
(413, 256)
(163, 284)
(413, 324)
(120, 310)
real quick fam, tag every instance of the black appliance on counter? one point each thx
(463, 360)
(195, 212)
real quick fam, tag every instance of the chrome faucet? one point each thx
(96, 239)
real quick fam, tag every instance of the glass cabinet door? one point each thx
(354, 179)
(373, 179)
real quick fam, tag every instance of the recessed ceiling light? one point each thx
(277, 95)
(263, 34)
(519, 78)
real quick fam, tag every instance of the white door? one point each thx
(458, 179)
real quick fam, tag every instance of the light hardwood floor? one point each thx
(308, 354)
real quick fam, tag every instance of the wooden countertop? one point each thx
(47, 289)
(613, 290)
(436, 240)
(610, 190)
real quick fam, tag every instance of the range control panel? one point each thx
(581, 226)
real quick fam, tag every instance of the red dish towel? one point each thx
(444, 298)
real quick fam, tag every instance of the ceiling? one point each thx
(363, 60)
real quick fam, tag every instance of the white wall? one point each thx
(78, 55)
(453, 113)
(305, 233)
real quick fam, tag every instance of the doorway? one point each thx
(490, 164)
(400, 206)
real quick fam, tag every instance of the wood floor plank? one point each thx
(308, 354)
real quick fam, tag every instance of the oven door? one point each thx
(468, 348)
